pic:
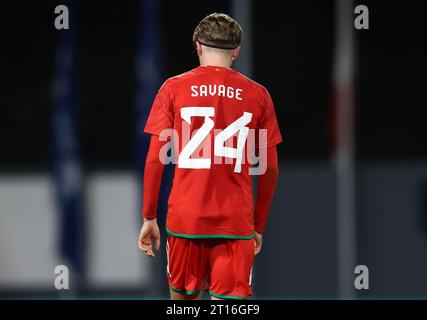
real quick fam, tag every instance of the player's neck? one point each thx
(216, 62)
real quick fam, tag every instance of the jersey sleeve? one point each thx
(161, 114)
(271, 136)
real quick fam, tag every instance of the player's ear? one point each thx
(198, 48)
(235, 53)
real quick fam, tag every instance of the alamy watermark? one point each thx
(361, 22)
(62, 19)
(362, 279)
(62, 280)
(206, 146)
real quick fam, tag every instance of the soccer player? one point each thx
(209, 114)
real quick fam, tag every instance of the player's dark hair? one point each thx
(218, 30)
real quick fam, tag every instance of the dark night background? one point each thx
(293, 44)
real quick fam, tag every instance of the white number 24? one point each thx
(184, 160)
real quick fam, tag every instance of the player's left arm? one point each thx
(265, 192)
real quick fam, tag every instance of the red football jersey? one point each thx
(215, 113)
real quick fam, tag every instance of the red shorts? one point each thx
(223, 267)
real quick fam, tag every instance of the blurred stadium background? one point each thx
(74, 103)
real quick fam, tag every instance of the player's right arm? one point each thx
(153, 173)
(160, 119)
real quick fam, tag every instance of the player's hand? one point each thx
(258, 242)
(149, 233)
